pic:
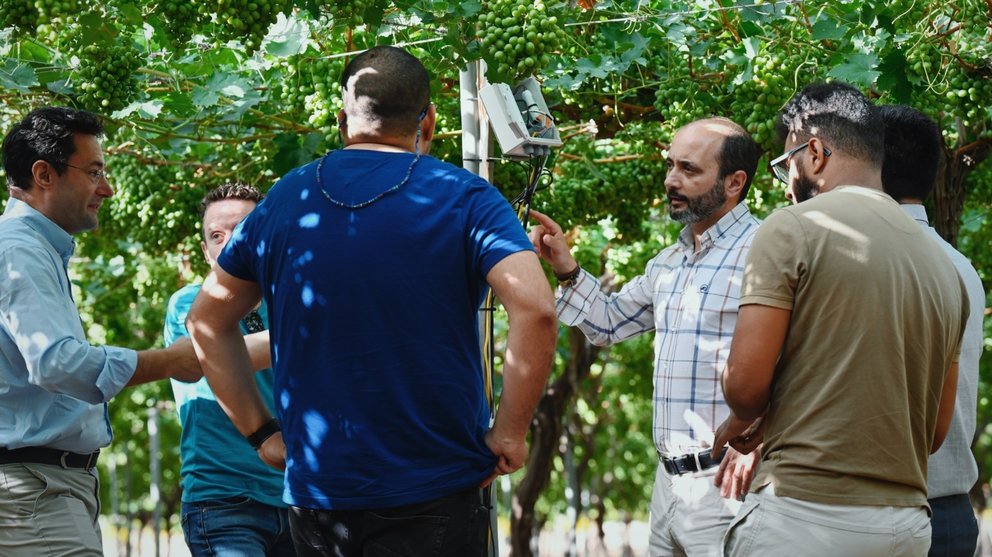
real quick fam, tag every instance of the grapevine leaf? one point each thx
(635, 51)
(227, 84)
(826, 29)
(130, 14)
(893, 77)
(179, 104)
(16, 76)
(95, 29)
(859, 69)
(752, 45)
(59, 87)
(469, 8)
(751, 13)
(287, 37)
(594, 66)
(145, 109)
(246, 101)
(291, 152)
(203, 97)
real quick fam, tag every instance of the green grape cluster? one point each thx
(54, 17)
(247, 20)
(293, 87)
(974, 37)
(351, 13)
(106, 76)
(182, 18)
(155, 205)
(755, 104)
(313, 93)
(681, 98)
(517, 39)
(961, 96)
(50, 11)
(20, 14)
(619, 187)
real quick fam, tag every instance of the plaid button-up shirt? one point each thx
(689, 298)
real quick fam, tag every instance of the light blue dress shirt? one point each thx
(54, 385)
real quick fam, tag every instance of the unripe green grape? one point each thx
(518, 37)
(106, 76)
(20, 14)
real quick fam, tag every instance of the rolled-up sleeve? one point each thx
(40, 316)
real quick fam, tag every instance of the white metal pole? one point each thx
(469, 95)
(153, 457)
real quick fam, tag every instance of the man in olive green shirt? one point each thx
(843, 345)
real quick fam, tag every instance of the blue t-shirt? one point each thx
(376, 344)
(217, 461)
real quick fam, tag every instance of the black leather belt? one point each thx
(42, 455)
(696, 462)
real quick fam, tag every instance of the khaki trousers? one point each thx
(49, 511)
(688, 515)
(772, 526)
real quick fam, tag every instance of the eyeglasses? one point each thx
(95, 175)
(780, 165)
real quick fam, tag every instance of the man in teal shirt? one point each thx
(232, 502)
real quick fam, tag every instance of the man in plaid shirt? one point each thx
(688, 296)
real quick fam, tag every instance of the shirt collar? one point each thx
(917, 212)
(729, 225)
(60, 240)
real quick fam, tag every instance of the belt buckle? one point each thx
(62, 458)
(699, 465)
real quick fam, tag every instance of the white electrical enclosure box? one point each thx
(521, 119)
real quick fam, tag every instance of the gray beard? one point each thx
(700, 207)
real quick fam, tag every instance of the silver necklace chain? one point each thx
(320, 184)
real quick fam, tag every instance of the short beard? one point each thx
(803, 189)
(700, 207)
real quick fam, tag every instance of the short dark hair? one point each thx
(839, 114)
(912, 152)
(231, 190)
(739, 152)
(45, 134)
(395, 95)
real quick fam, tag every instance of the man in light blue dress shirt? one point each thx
(54, 385)
(909, 172)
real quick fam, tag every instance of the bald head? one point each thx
(738, 151)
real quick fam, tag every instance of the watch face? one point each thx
(253, 322)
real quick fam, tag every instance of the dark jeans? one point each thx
(452, 526)
(955, 530)
(239, 527)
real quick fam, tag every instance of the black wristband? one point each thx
(568, 279)
(267, 430)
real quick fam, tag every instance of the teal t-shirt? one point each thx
(217, 461)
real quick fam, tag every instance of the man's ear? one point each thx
(206, 254)
(817, 155)
(43, 175)
(428, 123)
(734, 184)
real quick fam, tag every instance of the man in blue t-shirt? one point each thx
(232, 501)
(375, 260)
